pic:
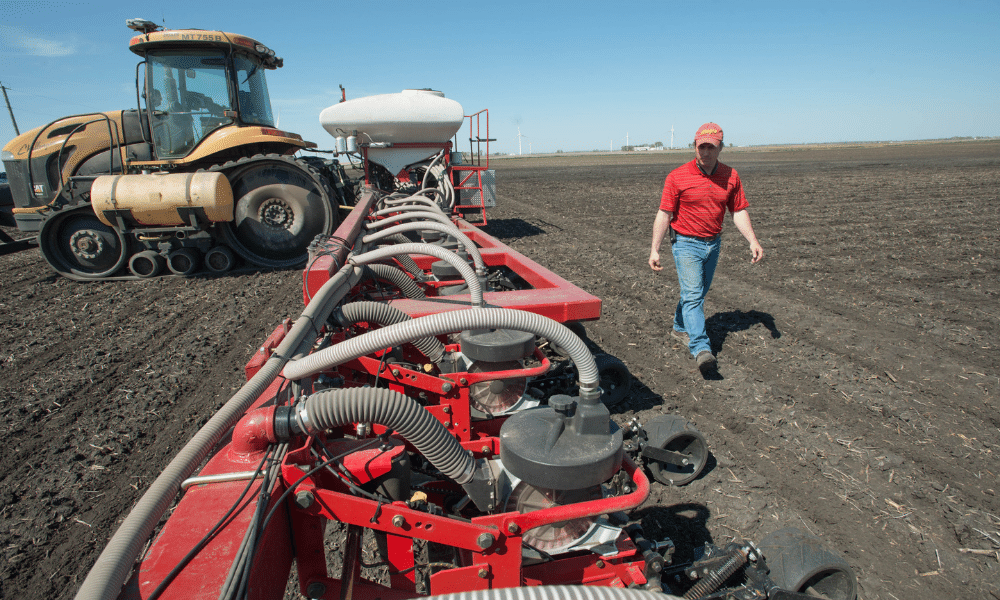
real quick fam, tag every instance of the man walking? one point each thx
(695, 198)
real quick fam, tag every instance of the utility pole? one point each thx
(9, 109)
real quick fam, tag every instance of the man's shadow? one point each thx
(720, 325)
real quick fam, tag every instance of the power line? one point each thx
(9, 109)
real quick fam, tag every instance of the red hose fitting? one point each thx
(253, 434)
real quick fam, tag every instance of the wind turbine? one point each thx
(519, 136)
(671, 137)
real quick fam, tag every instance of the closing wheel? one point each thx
(219, 259)
(279, 210)
(800, 563)
(616, 381)
(76, 243)
(147, 263)
(184, 261)
(686, 450)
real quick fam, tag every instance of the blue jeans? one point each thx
(695, 261)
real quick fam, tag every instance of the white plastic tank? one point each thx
(411, 116)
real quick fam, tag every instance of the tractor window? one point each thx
(188, 95)
(255, 104)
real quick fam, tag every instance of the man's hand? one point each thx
(654, 261)
(660, 226)
(756, 251)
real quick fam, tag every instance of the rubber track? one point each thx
(225, 168)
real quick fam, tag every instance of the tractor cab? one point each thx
(197, 82)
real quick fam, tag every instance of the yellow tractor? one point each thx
(197, 176)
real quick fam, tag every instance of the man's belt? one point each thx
(710, 238)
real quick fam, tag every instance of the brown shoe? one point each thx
(706, 362)
(680, 336)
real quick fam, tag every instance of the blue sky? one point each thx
(571, 75)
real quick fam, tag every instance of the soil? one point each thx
(858, 362)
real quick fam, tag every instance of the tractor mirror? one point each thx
(190, 73)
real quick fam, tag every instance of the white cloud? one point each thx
(20, 42)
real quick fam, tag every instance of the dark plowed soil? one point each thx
(858, 363)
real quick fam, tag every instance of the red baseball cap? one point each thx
(710, 133)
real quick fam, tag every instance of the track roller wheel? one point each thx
(184, 261)
(219, 259)
(616, 381)
(147, 263)
(686, 450)
(76, 243)
(800, 563)
(280, 207)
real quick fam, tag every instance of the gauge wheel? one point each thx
(800, 563)
(616, 381)
(676, 434)
(77, 243)
(279, 208)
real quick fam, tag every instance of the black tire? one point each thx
(677, 434)
(280, 206)
(800, 563)
(145, 264)
(184, 261)
(76, 243)
(616, 380)
(219, 259)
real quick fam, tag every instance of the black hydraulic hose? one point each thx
(386, 314)
(113, 566)
(155, 594)
(396, 277)
(239, 572)
(331, 408)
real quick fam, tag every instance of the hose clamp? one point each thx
(301, 420)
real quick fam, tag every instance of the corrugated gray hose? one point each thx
(396, 277)
(408, 264)
(557, 592)
(113, 566)
(386, 314)
(451, 230)
(475, 288)
(448, 322)
(408, 207)
(414, 423)
(417, 199)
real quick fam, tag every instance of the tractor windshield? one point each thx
(188, 94)
(255, 103)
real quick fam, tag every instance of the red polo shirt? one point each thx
(699, 201)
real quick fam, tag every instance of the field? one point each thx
(858, 363)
